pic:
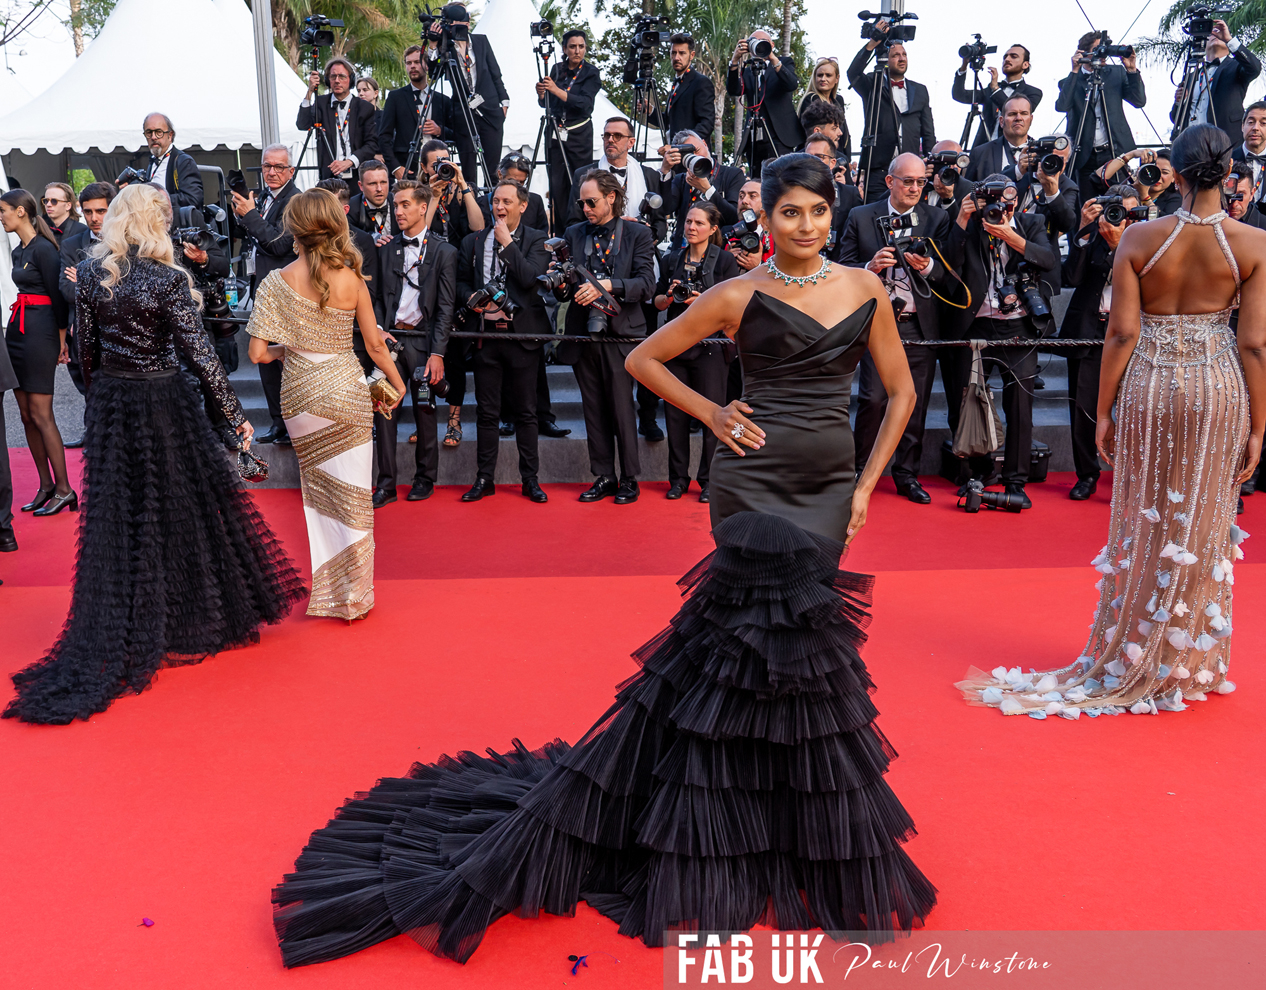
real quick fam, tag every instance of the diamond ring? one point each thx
(738, 431)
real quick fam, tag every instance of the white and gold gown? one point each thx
(325, 402)
(1162, 630)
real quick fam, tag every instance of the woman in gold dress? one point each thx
(307, 309)
(1190, 402)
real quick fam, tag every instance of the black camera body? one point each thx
(216, 310)
(1022, 286)
(1051, 163)
(949, 165)
(129, 175)
(976, 496)
(493, 296)
(1148, 175)
(445, 170)
(896, 30)
(1106, 50)
(743, 234)
(544, 28)
(897, 233)
(200, 237)
(975, 52)
(994, 198)
(449, 30)
(700, 166)
(564, 271)
(424, 391)
(692, 284)
(1115, 211)
(1198, 25)
(649, 35)
(316, 31)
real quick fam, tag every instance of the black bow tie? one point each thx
(339, 103)
(598, 229)
(1255, 158)
(410, 242)
(618, 171)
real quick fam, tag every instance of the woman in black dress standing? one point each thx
(704, 368)
(175, 562)
(738, 779)
(36, 340)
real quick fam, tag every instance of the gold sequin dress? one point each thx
(325, 402)
(1162, 630)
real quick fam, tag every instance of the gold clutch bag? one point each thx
(383, 396)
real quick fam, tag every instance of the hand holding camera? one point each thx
(884, 259)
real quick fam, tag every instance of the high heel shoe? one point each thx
(68, 501)
(41, 499)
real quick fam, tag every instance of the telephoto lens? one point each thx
(445, 170)
(1148, 175)
(760, 47)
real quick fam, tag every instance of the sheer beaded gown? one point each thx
(325, 403)
(738, 778)
(1162, 630)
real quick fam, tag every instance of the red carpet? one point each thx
(186, 804)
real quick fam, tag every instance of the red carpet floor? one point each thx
(186, 804)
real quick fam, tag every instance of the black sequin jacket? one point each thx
(138, 329)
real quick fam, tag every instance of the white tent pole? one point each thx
(269, 126)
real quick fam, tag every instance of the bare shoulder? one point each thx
(1248, 244)
(1145, 238)
(345, 286)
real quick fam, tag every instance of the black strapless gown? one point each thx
(737, 779)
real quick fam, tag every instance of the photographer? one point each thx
(368, 246)
(169, 167)
(403, 113)
(1219, 86)
(827, 119)
(1091, 253)
(507, 259)
(998, 286)
(765, 86)
(480, 75)
(1015, 66)
(684, 189)
(1102, 137)
(568, 95)
(846, 195)
(939, 191)
(266, 245)
(685, 274)
(691, 101)
(620, 254)
(909, 280)
(749, 199)
(370, 210)
(346, 134)
(1004, 152)
(1252, 148)
(902, 119)
(1240, 204)
(419, 290)
(636, 179)
(1146, 194)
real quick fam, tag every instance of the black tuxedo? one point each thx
(606, 388)
(992, 102)
(1088, 269)
(506, 367)
(895, 132)
(489, 117)
(1118, 86)
(654, 184)
(272, 247)
(1228, 85)
(362, 135)
(371, 269)
(399, 124)
(690, 105)
(436, 278)
(69, 229)
(1061, 213)
(772, 92)
(847, 199)
(360, 217)
(1238, 154)
(183, 180)
(990, 157)
(679, 197)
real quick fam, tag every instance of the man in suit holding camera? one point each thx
(908, 278)
(419, 288)
(1015, 66)
(682, 188)
(170, 167)
(402, 115)
(1219, 86)
(508, 257)
(345, 132)
(691, 101)
(620, 254)
(268, 246)
(765, 84)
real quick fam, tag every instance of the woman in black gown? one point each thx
(738, 778)
(36, 340)
(175, 562)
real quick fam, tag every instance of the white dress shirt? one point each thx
(410, 308)
(989, 308)
(159, 175)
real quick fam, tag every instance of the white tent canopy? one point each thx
(207, 109)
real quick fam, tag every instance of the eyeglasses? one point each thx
(53, 202)
(917, 182)
(607, 136)
(271, 167)
(592, 202)
(826, 159)
(154, 132)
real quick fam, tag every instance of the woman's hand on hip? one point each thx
(726, 422)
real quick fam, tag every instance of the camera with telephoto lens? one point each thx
(743, 234)
(200, 237)
(759, 48)
(1198, 25)
(976, 496)
(216, 310)
(684, 290)
(644, 50)
(890, 227)
(130, 174)
(948, 165)
(445, 170)
(543, 28)
(316, 31)
(493, 296)
(896, 30)
(1050, 163)
(700, 166)
(425, 392)
(1106, 50)
(975, 52)
(1148, 175)
(1116, 213)
(994, 198)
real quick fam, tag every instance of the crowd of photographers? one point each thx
(971, 242)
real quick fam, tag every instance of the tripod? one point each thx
(1094, 98)
(1195, 73)
(551, 132)
(419, 136)
(754, 121)
(976, 109)
(870, 133)
(316, 124)
(649, 105)
(462, 98)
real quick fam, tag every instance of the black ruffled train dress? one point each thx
(738, 778)
(174, 561)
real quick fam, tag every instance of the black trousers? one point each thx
(270, 378)
(1019, 367)
(606, 398)
(564, 159)
(703, 368)
(456, 362)
(490, 133)
(544, 408)
(503, 367)
(872, 402)
(6, 483)
(1083, 412)
(426, 455)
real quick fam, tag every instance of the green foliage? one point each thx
(374, 36)
(92, 15)
(80, 177)
(1246, 19)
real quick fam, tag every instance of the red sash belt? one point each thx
(18, 310)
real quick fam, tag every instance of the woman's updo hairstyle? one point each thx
(1202, 156)
(790, 171)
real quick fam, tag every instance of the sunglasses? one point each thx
(592, 202)
(822, 61)
(614, 137)
(53, 202)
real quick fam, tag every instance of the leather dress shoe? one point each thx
(704, 496)
(915, 492)
(383, 495)
(604, 487)
(1014, 489)
(628, 492)
(651, 431)
(1248, 488)
(421, 490)
(42, 497)
(73, 444)
(276, 434)
(58, 502)
(534, 491)
(677, 489)
(8, 543)
(481, 487)
(1084, 488)
(506, 430)
(552, 429)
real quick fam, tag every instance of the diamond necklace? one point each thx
(801, 281)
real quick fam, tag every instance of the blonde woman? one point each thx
(825, 86)
(307, 310)
(175, 563)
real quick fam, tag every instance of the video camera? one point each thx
(1198, 25)
(993, 197)
(493, 296)
(565, 276)
(743, 234)
(896, 30)
(1022, 286)
(1115, 211)
(1105, 50)
(449, 30)
(700, 166)
(975, 52)
(639, 65)
(684, 290)
(316, 33)
(949, 165)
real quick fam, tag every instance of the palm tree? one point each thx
(374, 35)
